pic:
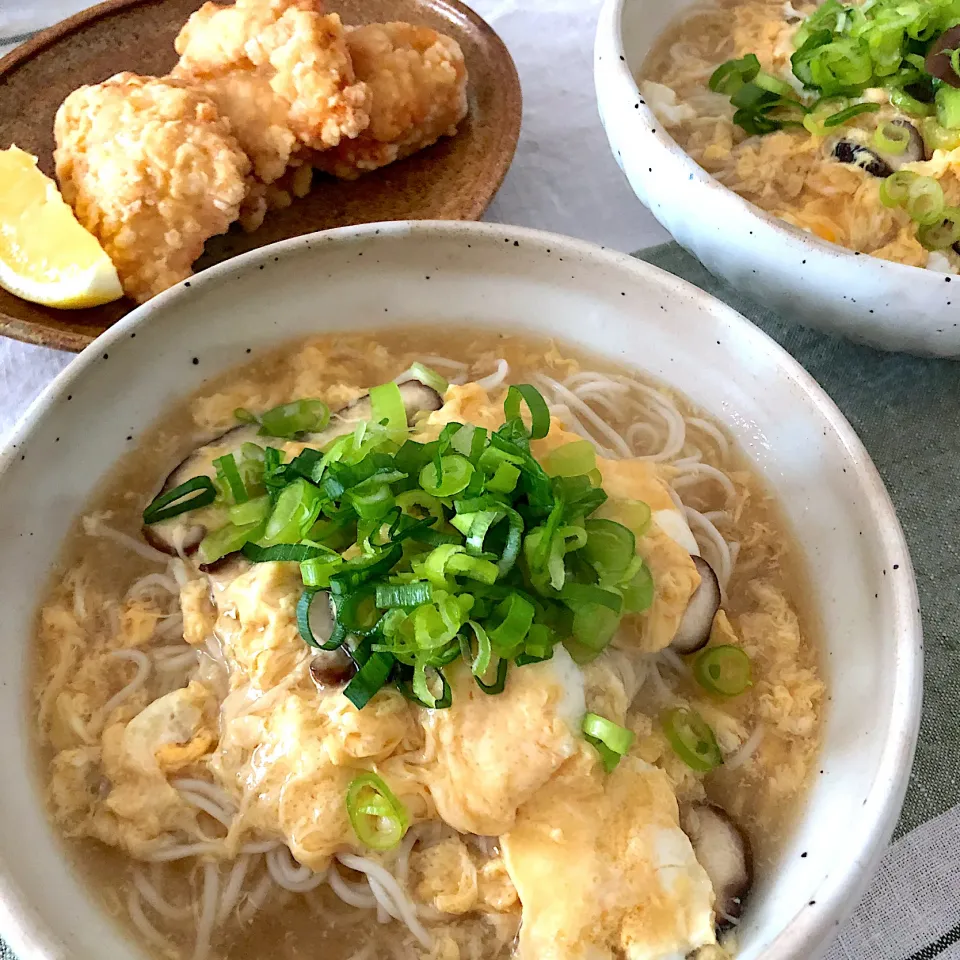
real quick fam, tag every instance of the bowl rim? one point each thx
(840, 891)
(609, 40)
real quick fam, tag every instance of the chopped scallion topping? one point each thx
(464, 546)
(378, 818)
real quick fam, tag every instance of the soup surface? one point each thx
(827, 150)
(222, 792)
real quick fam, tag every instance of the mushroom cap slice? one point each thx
(723, 851)
(694, 630)
(184, 532)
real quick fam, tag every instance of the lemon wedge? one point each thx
(45, 255)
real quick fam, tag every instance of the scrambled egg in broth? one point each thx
(198, 755)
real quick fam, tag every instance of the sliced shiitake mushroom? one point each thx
(857, 155)
(723, 850)
(937, 63)
(330, 669)
(183, 533)
(694, 630)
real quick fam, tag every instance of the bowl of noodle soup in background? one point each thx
(637, 362)
(879, 302)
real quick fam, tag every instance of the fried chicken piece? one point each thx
(300, 52)
(153, 171)
(418, 83)
(259, 118)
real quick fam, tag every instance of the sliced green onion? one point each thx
(372, 499)
(509, 623)
(505, 479)
(227, 470)
(317, 571)
(925, 201)
(594, 625)
(358, 612)
(511, 548)
(228, 539)
(305, 626)
(824, 108)
(937, 137)
(942, 234)
(387, 409)
(252, 511)
(890, 138)
(469, 442)
(428, 377)
(894, 189)
(369, 679)
(691, 739)
(724, 670)
(638, 592)
(403, 594)
(845, 116)
(729, 77)
(910, 105)
(474, 568)
(499, 682)
(294, 513)
(571, 460)
(580, 593)
(767, 81)
(602, 732)
(244, 415)
(178, 500)
(536, 405)
(421, 686)
(452, 477)
(292, 419)
(384, 829)
(610, 549)
(356, 572)
(283, 552)
(948, 107)
(480, 663)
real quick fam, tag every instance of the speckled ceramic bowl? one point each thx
(887, 305)
(445, 274)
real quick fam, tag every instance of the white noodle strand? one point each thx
(405, 909)
(140, 921)
(746, 750)
(496, 378)
(256, 899)
(208, 910)
(231, 889)
(140, 678)
(350, 893)
(93, 526)
(290, 874)
(153, 898)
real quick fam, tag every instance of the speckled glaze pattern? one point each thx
(455, 179)
(886, 305)
(445, 274)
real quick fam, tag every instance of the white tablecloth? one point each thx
(563, 178)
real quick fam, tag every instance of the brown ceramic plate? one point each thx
(453, 180)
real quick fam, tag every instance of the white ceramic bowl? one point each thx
(886, 305)
(445, 274)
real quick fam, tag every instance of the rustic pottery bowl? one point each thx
(446, 274)
(887, 305)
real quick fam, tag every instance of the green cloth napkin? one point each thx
(907, 413)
